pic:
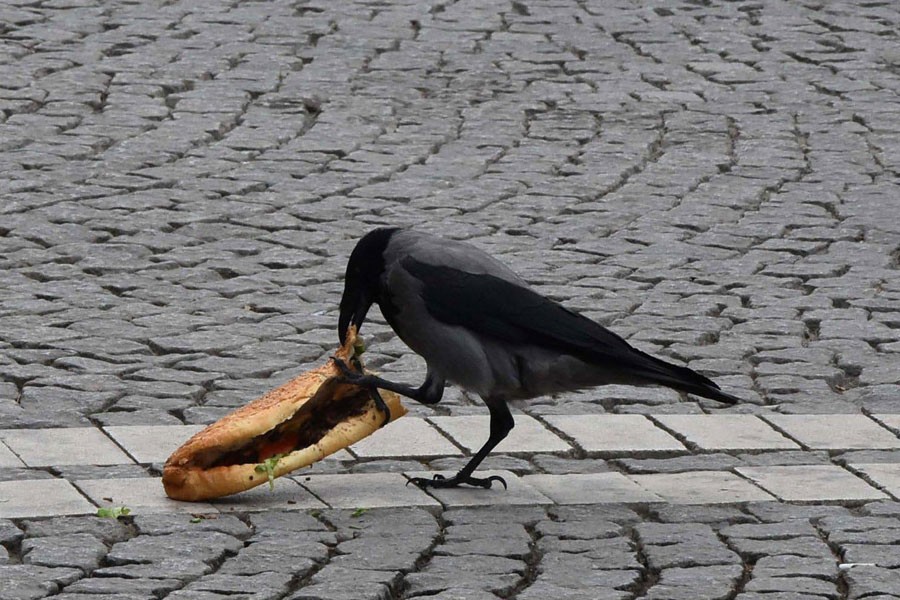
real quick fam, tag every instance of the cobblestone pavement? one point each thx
(718, 181)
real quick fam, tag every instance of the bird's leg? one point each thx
(430, 392)
(501, 424)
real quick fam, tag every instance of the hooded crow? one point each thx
(479, 325)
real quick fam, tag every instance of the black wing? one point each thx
(517, 315)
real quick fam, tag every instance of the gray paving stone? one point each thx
(108, 530)
(701, 487)
(776, 596)
(73, 446)
(8, 459)
(790, 565)
(563, 570)
(679, 464)
(205, 546)
(867, 581)
(369, 490)
(419, 440)
(608, 554)
(522, 514)
(77, 472)
(726, 432)
(510, 540)
(41, 498)
(766, 531)
(557, 465)
(811, 483)
(80, 550)
(387, 554)
(882, 555)
(338, 583)
(169, 523)
(528, 436)
(807, 546)
(891, 421)
(286, 495)
(9, 533)
(299, 557)
(835, 432)
(592, 488)
(610, 434)
(32, 581)
(151, 443)
(182, 569)
(117, 585)
(141, 495)
(884, 475)
(261, 584)
(694, 513)
(801, 585)
(489, 573)
(696, 582)
(200, 341)
(683, 546)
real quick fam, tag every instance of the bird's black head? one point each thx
(361, 281)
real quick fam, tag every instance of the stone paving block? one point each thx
(891, 421)
(151, 443)
(71, 446)
(812, 483)
(142, 495)
(528, 436)
(406, 437)
(835, 432)
(8, 458)
(701, 487)
(886, 475)
(616, 434)
(287, 495)
(519, 492)
(727, 432)
(365, 490)
(590, 488)
(41, 498)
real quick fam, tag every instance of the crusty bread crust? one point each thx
(189, 474)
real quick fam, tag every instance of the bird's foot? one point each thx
(439, 481)
(347, 374)
(357, 377)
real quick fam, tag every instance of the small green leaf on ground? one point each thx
(113, 512)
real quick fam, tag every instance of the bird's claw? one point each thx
(439, 481)
(346, 373)
(357, 377)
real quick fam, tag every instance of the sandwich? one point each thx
(292, 426)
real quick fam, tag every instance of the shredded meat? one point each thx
(331, 404)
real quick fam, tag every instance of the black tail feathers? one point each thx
(688, 380)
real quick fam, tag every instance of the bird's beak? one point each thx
(354, 308)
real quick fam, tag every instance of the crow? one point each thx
(479, 325)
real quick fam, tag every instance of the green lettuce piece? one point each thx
(113, 512)
(268, 467)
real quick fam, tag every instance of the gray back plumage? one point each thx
(441, 252)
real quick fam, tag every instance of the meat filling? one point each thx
(332, 404)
